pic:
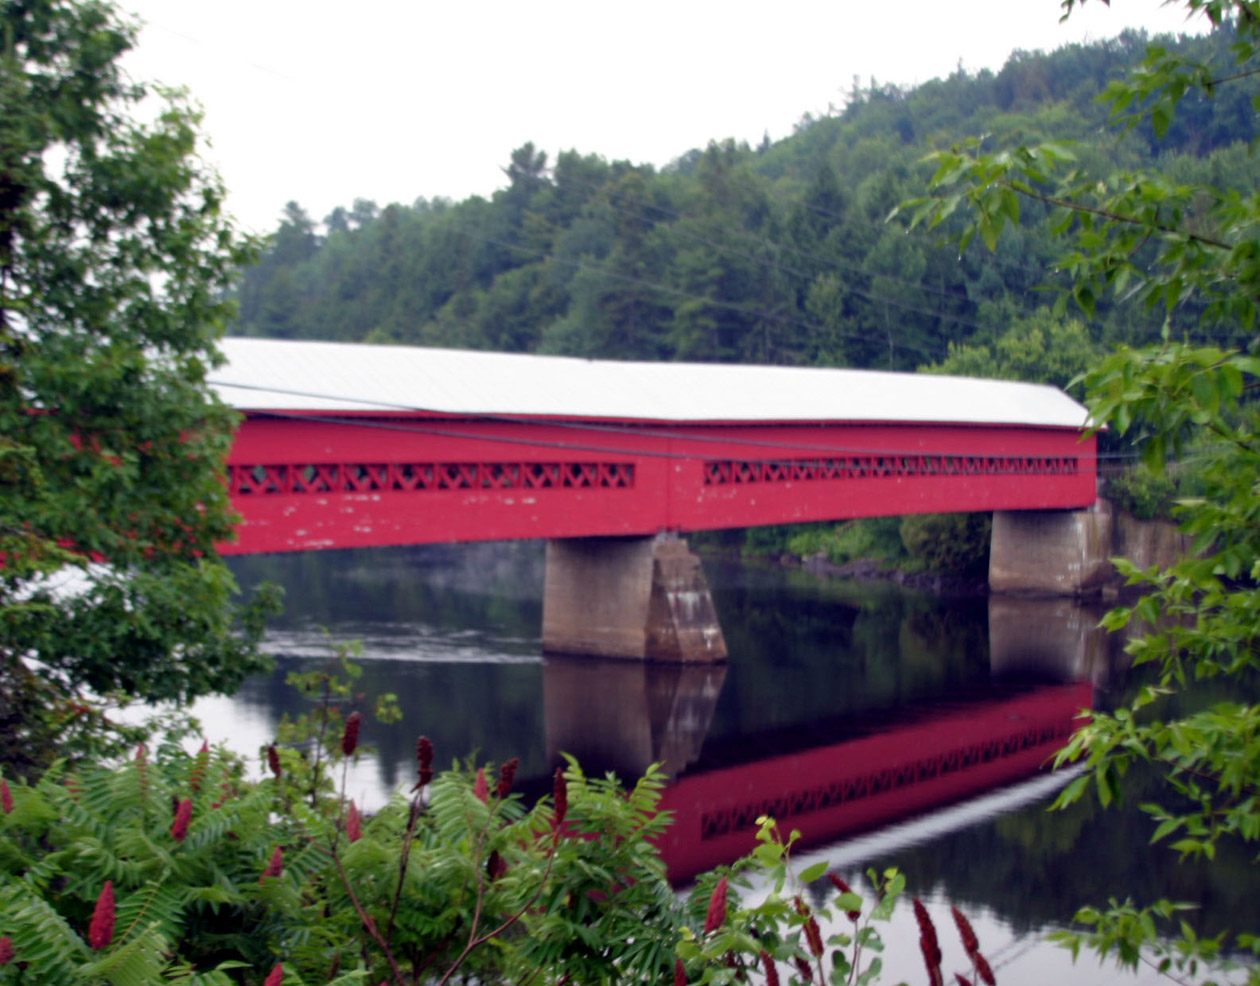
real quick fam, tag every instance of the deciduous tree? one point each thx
(115, 256)
(1145, 238)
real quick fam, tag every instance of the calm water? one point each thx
(894, 728)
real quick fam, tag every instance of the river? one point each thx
(893, 727)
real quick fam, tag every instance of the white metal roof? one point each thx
(276, 375)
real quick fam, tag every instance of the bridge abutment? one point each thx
(1069, 552)
(639, 598)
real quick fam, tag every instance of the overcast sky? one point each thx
(396, 99)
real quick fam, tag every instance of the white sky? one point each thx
(396, 99)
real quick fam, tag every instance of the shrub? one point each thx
(229, 877)
(874, 538)
(1145, 494)
(954, 544)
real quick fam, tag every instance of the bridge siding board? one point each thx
(662, 469)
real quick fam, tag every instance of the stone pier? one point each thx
(642, 599)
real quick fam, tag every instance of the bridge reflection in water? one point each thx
(844, 706)
(872, 768)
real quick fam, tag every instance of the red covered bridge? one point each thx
(357, 446)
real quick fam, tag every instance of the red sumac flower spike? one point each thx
(680, 973)
(354, 827)
(814, 937)
(275, 867)
(717, 908)
(273, 760)
(101, 929)
(480, 787)
(968, 935)
(424, 757)
(6, 950)
(350, 735)
(926, 927)
(560, 794)
(983, 970)
(803, 968)
(507, 774)
(963, 980)
(931, 960)
(198, 775)
(6, 797)
(772, 971)
(495, 865)
(183, 815)
(276, 977)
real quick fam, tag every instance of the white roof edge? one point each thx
(284, 375)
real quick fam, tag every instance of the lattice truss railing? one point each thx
(849, 790)
(742, 471)
(408, 477)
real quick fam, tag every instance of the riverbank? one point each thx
(1091, 538)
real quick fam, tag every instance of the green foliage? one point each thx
(956, 544)
(444, 881)
(1171, 246)
(801, 540)
(115, 258)
(1132, 935)
(1146, 494)
(1038, 348)
(875, 538)
(777, 254)
(811, 924)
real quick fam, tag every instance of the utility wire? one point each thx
(582, 426)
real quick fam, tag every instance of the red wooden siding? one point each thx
(309, 482)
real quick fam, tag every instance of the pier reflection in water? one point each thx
(845, 708)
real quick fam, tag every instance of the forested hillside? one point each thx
(777, 254)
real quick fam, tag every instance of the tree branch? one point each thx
(1113, 216)
(366, 920)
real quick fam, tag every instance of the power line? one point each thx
(582, 426)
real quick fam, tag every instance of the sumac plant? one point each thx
(173, 867)
(786, 931)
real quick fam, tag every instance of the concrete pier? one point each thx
(642, 599)
(1069, 552)
(1051, 552)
